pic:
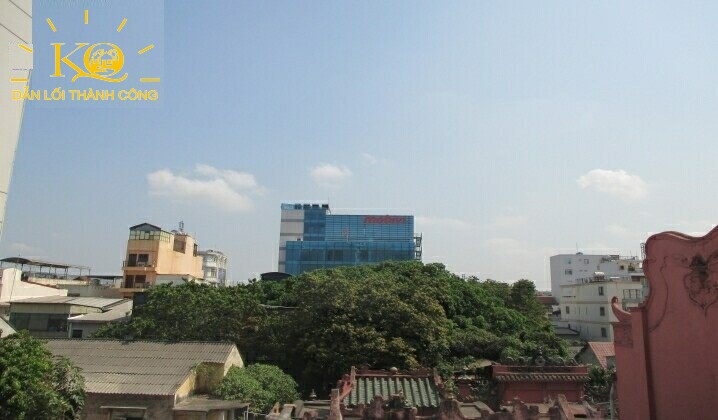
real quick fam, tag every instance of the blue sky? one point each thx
(512, 130)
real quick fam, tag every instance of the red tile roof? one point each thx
(547, 300)
(602, 350)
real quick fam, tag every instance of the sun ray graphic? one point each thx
(122, 25)
(52, 25)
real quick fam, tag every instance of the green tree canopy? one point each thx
(34, 385)
(258, 384)
(192, 312)
(394, 314)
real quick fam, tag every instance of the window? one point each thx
(568, 272)
(603, 332)
(138, 260)
(602, 311)
(568, 261)
(76, 333)
(140, 281)
(600, 290)
(129, 281)
(179, 244)
(568, 310)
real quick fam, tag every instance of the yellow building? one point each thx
(155, 256)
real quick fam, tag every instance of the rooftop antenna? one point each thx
(181, 226)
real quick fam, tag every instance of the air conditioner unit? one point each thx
(141, 264)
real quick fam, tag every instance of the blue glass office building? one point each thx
(312, 238)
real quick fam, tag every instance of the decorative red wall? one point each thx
(540, 384)
(667, 349)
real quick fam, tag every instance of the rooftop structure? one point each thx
(153, 252)
(311, 237)
(566, 269)
(45, 269)
(49, 316)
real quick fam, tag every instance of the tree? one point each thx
(192, 312)
(598, 387)
(258, 384)
(404, 315)
(34, 385)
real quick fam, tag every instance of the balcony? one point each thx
(138, 266)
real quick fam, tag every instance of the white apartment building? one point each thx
(214, 267)
(15, 28)
(586, 304)
(566, 269)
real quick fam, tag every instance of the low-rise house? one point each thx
(84, 326)
(48, 317)
(598, 353)
(150, 379)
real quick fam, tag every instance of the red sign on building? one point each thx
(385, 220)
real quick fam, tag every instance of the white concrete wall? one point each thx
(567, 268)
(13, 288)
(584, 303)
(15, 27)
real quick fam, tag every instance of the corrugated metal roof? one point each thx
(101, 317)
(99, 303)
(137, 367)
(418, 392)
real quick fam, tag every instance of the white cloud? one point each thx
(328, 175)
(442, 222)
(367, 158)
(224, 189)
(618, 183)
(240, 180)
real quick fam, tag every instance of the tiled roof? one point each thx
(418, 391)
(602, 350)
(137, 367)
(536, 377)
(547, 300)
